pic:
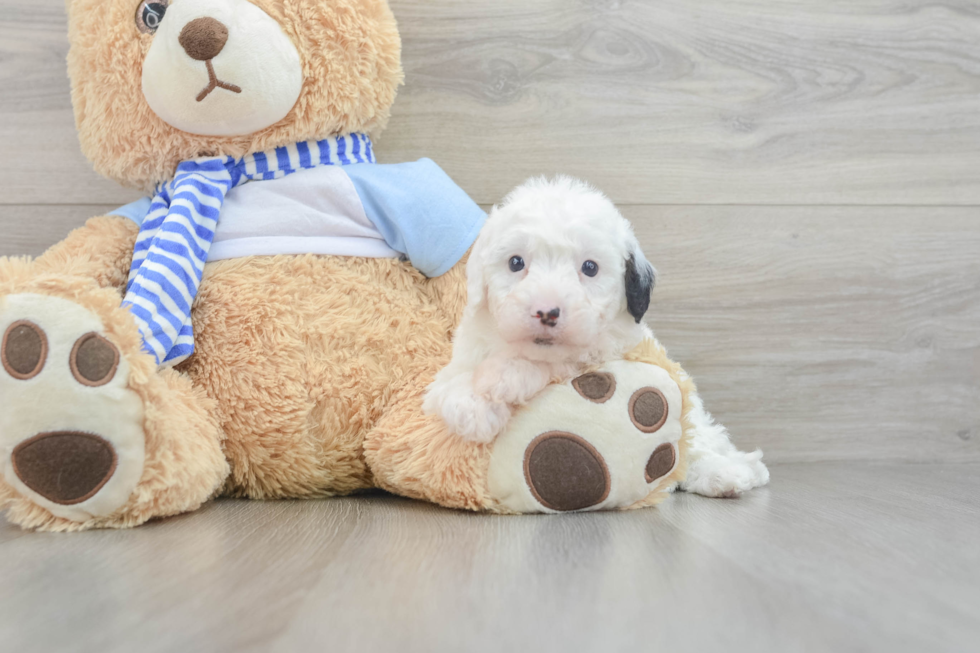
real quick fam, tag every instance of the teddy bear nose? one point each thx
(203, 38)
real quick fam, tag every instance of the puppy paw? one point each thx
(465, 413)
(477, 419)
(725, 475)
(509, 381)
(608, 439)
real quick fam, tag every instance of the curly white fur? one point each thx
(535, 315)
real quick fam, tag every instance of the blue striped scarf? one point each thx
(175, 237)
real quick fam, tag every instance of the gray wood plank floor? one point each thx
(830, 557)
(803, 174)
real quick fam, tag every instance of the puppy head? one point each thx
(157, 82)
(559, 272)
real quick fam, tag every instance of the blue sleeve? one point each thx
(135, 211)
(419, 211)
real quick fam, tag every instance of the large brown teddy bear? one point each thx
(299, 372)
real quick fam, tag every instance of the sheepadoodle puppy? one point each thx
(557, 284)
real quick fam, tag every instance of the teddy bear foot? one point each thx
(74, 419)
(609, 439)
(71, 429)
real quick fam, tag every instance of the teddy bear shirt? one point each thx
(323, 197)
(404, 210)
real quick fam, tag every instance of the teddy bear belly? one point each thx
(301, 355)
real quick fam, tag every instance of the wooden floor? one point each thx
(831, 557)
(805, 175)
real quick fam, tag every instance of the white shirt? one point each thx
(314, 211)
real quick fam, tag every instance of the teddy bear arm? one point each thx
(101, 249)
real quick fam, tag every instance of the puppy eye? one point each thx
(516, 264)
(149, 15)
(590, 268)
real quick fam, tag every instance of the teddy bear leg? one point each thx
(415, 455)
(611, 439)
(716, 468)
(91, 434)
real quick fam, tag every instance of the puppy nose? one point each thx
(550, 318)
(203, 38)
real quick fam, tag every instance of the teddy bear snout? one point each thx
(203, 38)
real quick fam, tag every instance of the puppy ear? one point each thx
(640, 278)
(476, 284)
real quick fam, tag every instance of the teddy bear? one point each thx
(264, 324)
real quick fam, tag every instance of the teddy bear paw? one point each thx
(71, 429)
(606, 440)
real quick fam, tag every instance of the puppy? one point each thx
(557, 284)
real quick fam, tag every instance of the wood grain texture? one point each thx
(746, 101)
(825, 333)
(831, 557)
(723, 101)
(41, 162)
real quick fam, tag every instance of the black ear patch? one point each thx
(639, 284)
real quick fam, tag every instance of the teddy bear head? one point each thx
(157, 82)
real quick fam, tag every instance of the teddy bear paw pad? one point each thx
(564, 472)
(603, 441)
(71, 429)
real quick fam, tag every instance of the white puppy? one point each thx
(557, 284)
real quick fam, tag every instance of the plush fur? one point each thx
(301, 376)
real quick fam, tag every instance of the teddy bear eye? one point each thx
(149, 15)
(516, 264)
(590, 268)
